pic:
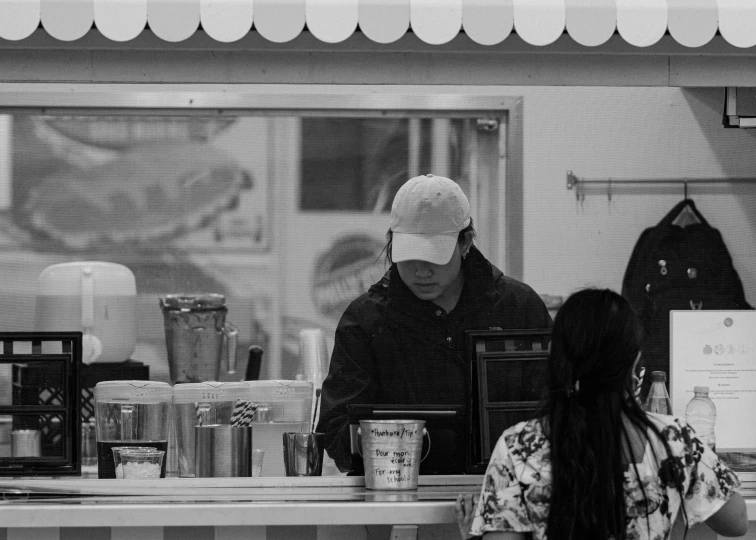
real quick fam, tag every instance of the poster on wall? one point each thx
(717, 349)
(135, 182)
(182, 201)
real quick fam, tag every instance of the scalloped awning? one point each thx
(641, 23)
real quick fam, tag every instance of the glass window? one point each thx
(358, 164)
(283, 215)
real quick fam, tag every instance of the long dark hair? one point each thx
(596, 340)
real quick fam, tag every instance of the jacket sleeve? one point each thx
(633, 282)
(351, 379)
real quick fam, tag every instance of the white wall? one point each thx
(597, 132)
(631, 133)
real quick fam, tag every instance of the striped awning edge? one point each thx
(641, 23)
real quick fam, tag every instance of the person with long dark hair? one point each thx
(593, 464)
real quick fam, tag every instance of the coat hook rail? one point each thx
(576, 182)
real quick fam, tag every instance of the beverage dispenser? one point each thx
(130, 413)
(204, 404)
(96, 298)
(283, 406)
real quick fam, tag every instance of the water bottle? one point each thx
(657, 400)
(701, 415)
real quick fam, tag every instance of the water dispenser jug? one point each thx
(284, 406)
(204, 404)
(130, 413)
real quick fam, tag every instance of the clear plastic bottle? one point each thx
(701, 415)
(657, 400)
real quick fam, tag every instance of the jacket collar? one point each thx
(478, 288)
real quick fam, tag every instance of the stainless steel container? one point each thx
(223, 451)
(26, 443)
(303, 453)
(202, 404)
(391, 451)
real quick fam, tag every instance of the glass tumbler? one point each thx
(142, 463)
(117, 456)
(258, 454)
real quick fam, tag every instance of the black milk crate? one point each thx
(48, 402)
(91, 374)
(37, 384)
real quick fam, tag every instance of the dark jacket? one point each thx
(393, 348)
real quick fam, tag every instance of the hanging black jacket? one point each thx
(676, 267)
(393, 348)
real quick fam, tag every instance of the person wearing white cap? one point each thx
(402, 341)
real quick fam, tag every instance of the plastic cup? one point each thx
(142, 463)
(117, 456)
(258, 454)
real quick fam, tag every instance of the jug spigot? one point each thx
(232, 338)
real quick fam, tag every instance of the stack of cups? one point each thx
(313, 354)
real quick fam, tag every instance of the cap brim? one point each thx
(432, 248)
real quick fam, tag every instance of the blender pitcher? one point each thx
(130, 413)
(195, 330)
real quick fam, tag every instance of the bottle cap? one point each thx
(701, 389)
(658, 376)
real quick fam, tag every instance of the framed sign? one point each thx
(716, 349)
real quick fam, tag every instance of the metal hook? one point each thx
(685, 188)
(609, 190)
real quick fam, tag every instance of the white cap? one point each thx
(426, 217)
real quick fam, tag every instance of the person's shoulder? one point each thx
(665, 421)
(526, 437)
(679, 435)
(507, 284)
(517, 293)
(369, 302)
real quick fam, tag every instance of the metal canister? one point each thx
(26, 443)
(303, 453)
(391, 451)
(222, 450)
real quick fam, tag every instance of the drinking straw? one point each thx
(244, 412)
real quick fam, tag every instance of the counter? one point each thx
(322, 508)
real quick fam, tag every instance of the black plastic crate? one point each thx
(36, 384)
(45, 410)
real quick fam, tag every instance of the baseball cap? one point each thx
(427, 214)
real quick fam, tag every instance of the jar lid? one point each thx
(194, 301)
(133, 391)
(209, 391)
(65, 279)
(280, 389)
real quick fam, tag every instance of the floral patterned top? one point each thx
(517, 485)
